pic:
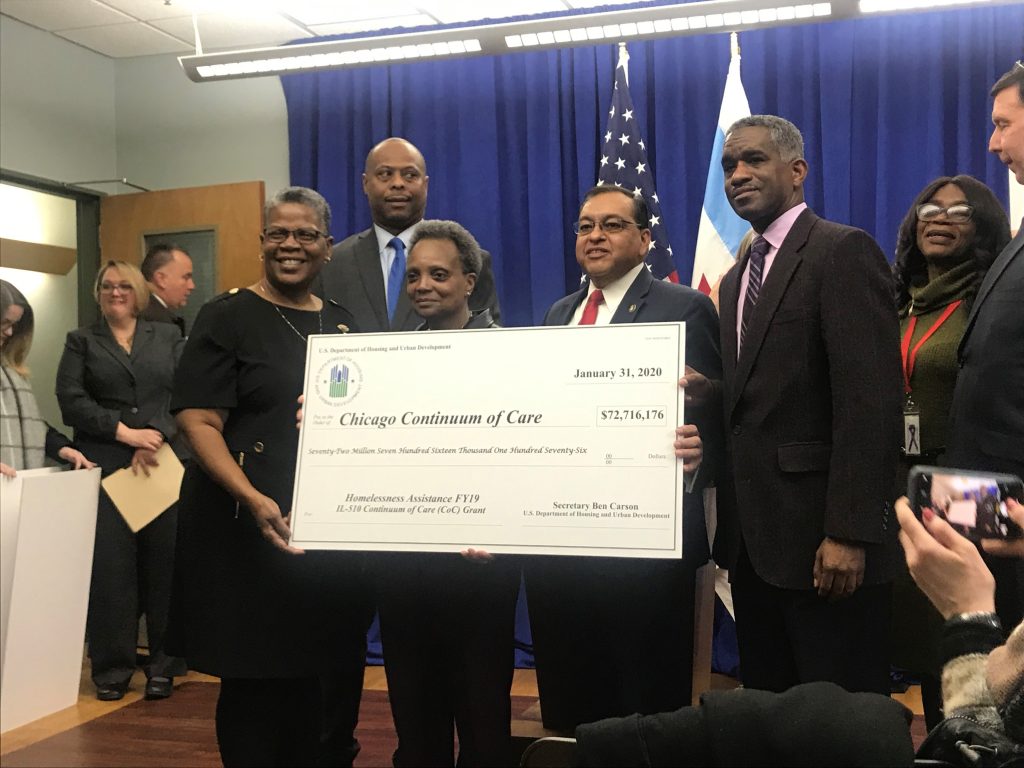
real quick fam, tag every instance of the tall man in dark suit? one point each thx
(810, 352)
(615, 636)
(987, 416)
(366, 274)
(168, 271)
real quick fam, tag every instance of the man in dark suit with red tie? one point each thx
(810, 353)
(613, 636)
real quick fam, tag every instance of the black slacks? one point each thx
(341, 687)
(268, 722)
(611, 636)
(448, 631)
(792, 636)
(131, 576)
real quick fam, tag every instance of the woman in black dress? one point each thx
(249, 608)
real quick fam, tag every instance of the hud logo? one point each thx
(338, 381)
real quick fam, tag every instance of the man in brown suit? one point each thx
(811, 362)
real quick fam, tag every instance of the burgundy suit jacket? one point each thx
(812, 407)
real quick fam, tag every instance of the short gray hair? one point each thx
(302, 196)
(783, 134)
(467, 246)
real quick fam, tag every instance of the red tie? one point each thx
(590, 311)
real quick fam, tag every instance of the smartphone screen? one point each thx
(974, 504)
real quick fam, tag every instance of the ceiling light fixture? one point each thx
(534, 34)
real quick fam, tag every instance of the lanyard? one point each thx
(910, 355)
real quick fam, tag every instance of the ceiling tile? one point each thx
(62, 14)
(372, 25)
(123, 40)
(311, 12)
(593, 3)
(220, 30)
(147, 10)
(452, 11)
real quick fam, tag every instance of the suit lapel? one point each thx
(634, 298)
(728, 296)
(1014, 248)
(403, 311)
(105, 338)
(143, 338)
(783, 266)
(562, 315)
(368, 266)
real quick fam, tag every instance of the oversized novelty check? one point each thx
(554, 440)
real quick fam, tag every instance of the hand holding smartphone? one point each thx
(973, 503)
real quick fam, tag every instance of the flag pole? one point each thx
(721, 231)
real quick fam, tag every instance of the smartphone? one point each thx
(974, 503)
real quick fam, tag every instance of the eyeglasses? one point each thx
(111, 287)
(955, 214)
(608, 226)
(303, 236)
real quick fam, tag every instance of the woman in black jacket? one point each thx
(114, 387)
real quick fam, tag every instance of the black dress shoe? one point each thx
(159, 687)
(111, 691)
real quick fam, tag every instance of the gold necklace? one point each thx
(319, 317)
(124, 341)
(264, 286)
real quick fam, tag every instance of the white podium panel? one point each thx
(48, 526)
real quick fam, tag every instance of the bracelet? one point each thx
(984, 618)
(976, 632)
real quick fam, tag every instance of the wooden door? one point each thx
(218, 225)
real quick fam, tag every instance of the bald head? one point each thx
(395, 143)
(395, 183)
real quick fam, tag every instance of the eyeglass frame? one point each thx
(292, 233)
(940, 211)
(111, 287)
(602, 225)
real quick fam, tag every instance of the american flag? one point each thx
(624, 164)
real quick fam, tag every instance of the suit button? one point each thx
(135, 410)
(737, 430)
(257, 447)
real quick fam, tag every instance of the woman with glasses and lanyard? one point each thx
(247, 607)
(947, 241)
(114, 388)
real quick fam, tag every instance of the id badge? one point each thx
(911, 429)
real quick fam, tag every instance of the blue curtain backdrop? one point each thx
(512, 142)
